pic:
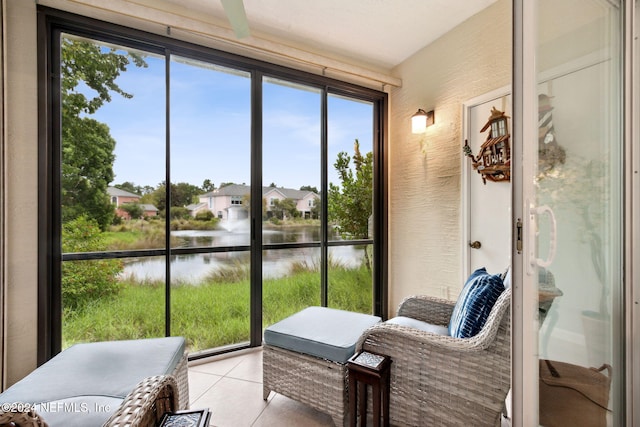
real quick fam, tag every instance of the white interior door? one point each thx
(487, 210)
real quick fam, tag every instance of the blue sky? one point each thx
(210, 127)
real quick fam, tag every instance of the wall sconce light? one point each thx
(420, 121)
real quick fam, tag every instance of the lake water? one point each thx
(275, 263)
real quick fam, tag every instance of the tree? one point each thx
(130, 187)
(208, 186)
(182, 194)
(146, 189)
(87, 145)
(87, 153)
(134, 210)
(285, 208)
(86, 281)
(309, 188)
(351, 203)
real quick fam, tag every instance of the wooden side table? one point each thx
(369, 369)
(187, 418)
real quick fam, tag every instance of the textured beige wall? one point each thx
(21, 189)
(425, 170)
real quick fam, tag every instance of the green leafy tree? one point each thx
(87, 153)
(309, 188)
(146, 189)
(87, 145)
(285, 208)
(182, 194)
(134, 210)
(351, 203)
(208, 186)
(86, 281)
(130, 187)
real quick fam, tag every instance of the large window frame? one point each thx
(51, 24)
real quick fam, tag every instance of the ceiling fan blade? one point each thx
(237, 17)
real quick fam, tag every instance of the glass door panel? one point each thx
(113, 120)
(577, 212)
(350, 283)
(210, 142)
(291, 161)
(350, 167)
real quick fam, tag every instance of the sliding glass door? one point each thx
(210, 140)
(570, 307)
(291, 198)
(112, 154)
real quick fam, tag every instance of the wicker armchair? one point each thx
(143, 407)
(147, 403)
(440, 380)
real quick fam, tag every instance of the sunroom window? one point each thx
(178, 127)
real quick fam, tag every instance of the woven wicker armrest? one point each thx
(147, 403)
(384, 337)
(436, 311)
(390, 334)
(21, 419)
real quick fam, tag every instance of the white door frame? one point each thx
(466, 173)
(632, 211)
(524, 362)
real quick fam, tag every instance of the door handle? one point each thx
(533, 261)
(475, 244)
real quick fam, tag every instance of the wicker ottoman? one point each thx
(304, 357)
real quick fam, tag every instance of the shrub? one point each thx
(205, 215)
(275, 220)
(134, 210)
(180, 213)
(86, 281)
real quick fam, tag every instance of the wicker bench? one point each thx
(114, 383)
(304, 357)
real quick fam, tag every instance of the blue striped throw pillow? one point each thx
(480, 293)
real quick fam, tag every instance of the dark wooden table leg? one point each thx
(386, 386)
(369, 369)
(376, 403)
(353, 413)
(362, 392)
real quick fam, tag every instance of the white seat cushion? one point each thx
(419, 324)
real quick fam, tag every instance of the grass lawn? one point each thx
(214, 313)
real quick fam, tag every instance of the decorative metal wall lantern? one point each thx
(493, 162)
(420, 121)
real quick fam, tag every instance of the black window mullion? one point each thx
(380, 292)
(167, 208)
(256, 211)
(324, 207)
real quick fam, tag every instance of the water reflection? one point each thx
(275, 262)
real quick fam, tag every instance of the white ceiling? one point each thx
(381, 33)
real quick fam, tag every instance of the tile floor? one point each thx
(231, 387)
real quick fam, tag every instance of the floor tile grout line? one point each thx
(208, 388)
